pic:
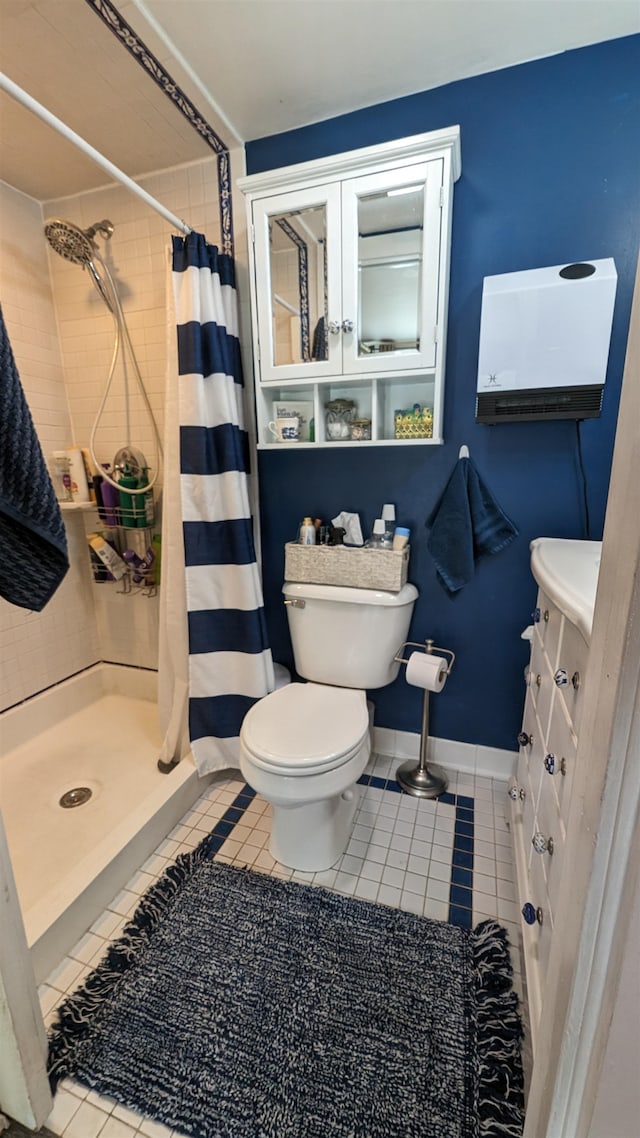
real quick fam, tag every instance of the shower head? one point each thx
(73, 243)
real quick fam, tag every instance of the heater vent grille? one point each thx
(539, 403)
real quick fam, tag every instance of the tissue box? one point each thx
(345, 565)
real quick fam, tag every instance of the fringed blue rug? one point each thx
(236, 1005)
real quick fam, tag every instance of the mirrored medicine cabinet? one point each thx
(349, 260)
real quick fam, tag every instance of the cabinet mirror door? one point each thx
(391, 264)
(298, 247)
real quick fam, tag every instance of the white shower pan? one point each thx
(97, 731)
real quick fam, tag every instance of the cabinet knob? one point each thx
(541, 844)
(514, 793)
(347, 326)
(535, 616)
(552, 766)
(531, 914)
(334, 327)
(561, 678)
(525, 740)
(575, 680)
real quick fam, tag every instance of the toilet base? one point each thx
(313, 836)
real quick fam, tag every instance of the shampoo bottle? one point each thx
(110, 500)
(131, 506)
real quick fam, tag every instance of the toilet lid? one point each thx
(306, 727)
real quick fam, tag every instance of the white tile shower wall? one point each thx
(137, 256)
(39, 649)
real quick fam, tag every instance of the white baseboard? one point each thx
(464, 758)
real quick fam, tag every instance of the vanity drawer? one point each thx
(530, 741)
(549, 626)
(541, 684)
(539, 933)
(560, 758)
(572, 661)
(522, 789)
(550, 828)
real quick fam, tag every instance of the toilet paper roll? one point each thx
(425, 670)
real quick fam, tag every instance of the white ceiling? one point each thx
(252, 67)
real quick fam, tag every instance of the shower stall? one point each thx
(87, 705)
(83, 801)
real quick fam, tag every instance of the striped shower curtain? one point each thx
(229, 661)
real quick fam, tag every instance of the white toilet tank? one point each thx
(347, 637)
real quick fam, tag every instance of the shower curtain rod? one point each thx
(21, 96)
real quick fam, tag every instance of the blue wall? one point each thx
(550, 174)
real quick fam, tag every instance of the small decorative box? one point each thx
(413, 423)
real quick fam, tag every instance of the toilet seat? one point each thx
(305, 729)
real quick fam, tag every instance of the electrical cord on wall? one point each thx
(585, 499)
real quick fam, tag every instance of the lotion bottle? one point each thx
(307, 532)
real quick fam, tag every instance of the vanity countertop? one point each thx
(568, 571)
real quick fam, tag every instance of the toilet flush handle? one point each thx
(297, 602)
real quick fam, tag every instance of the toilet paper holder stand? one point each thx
(419, 779)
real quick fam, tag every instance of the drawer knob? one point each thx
(552, 766)
(561, 678)
(541, 844)
(531, 914)
(538, 680)
(575, 680)
(525, 740)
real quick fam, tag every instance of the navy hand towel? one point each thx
(33, 542)
(465, 524)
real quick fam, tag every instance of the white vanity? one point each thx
(349, 263)
(567, 576)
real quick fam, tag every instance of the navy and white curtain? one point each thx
(229, 661)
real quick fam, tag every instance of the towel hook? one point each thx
(464, 451)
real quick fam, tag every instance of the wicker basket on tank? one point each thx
(359, 568)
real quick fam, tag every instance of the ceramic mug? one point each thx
(286, 430)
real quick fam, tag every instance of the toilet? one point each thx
(304, 746)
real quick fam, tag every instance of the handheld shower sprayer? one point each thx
(78, 246)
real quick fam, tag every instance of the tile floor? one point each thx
(448, 860)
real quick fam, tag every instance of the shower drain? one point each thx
(75, 797)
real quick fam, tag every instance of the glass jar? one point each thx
(361, 430)
(339, 417)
